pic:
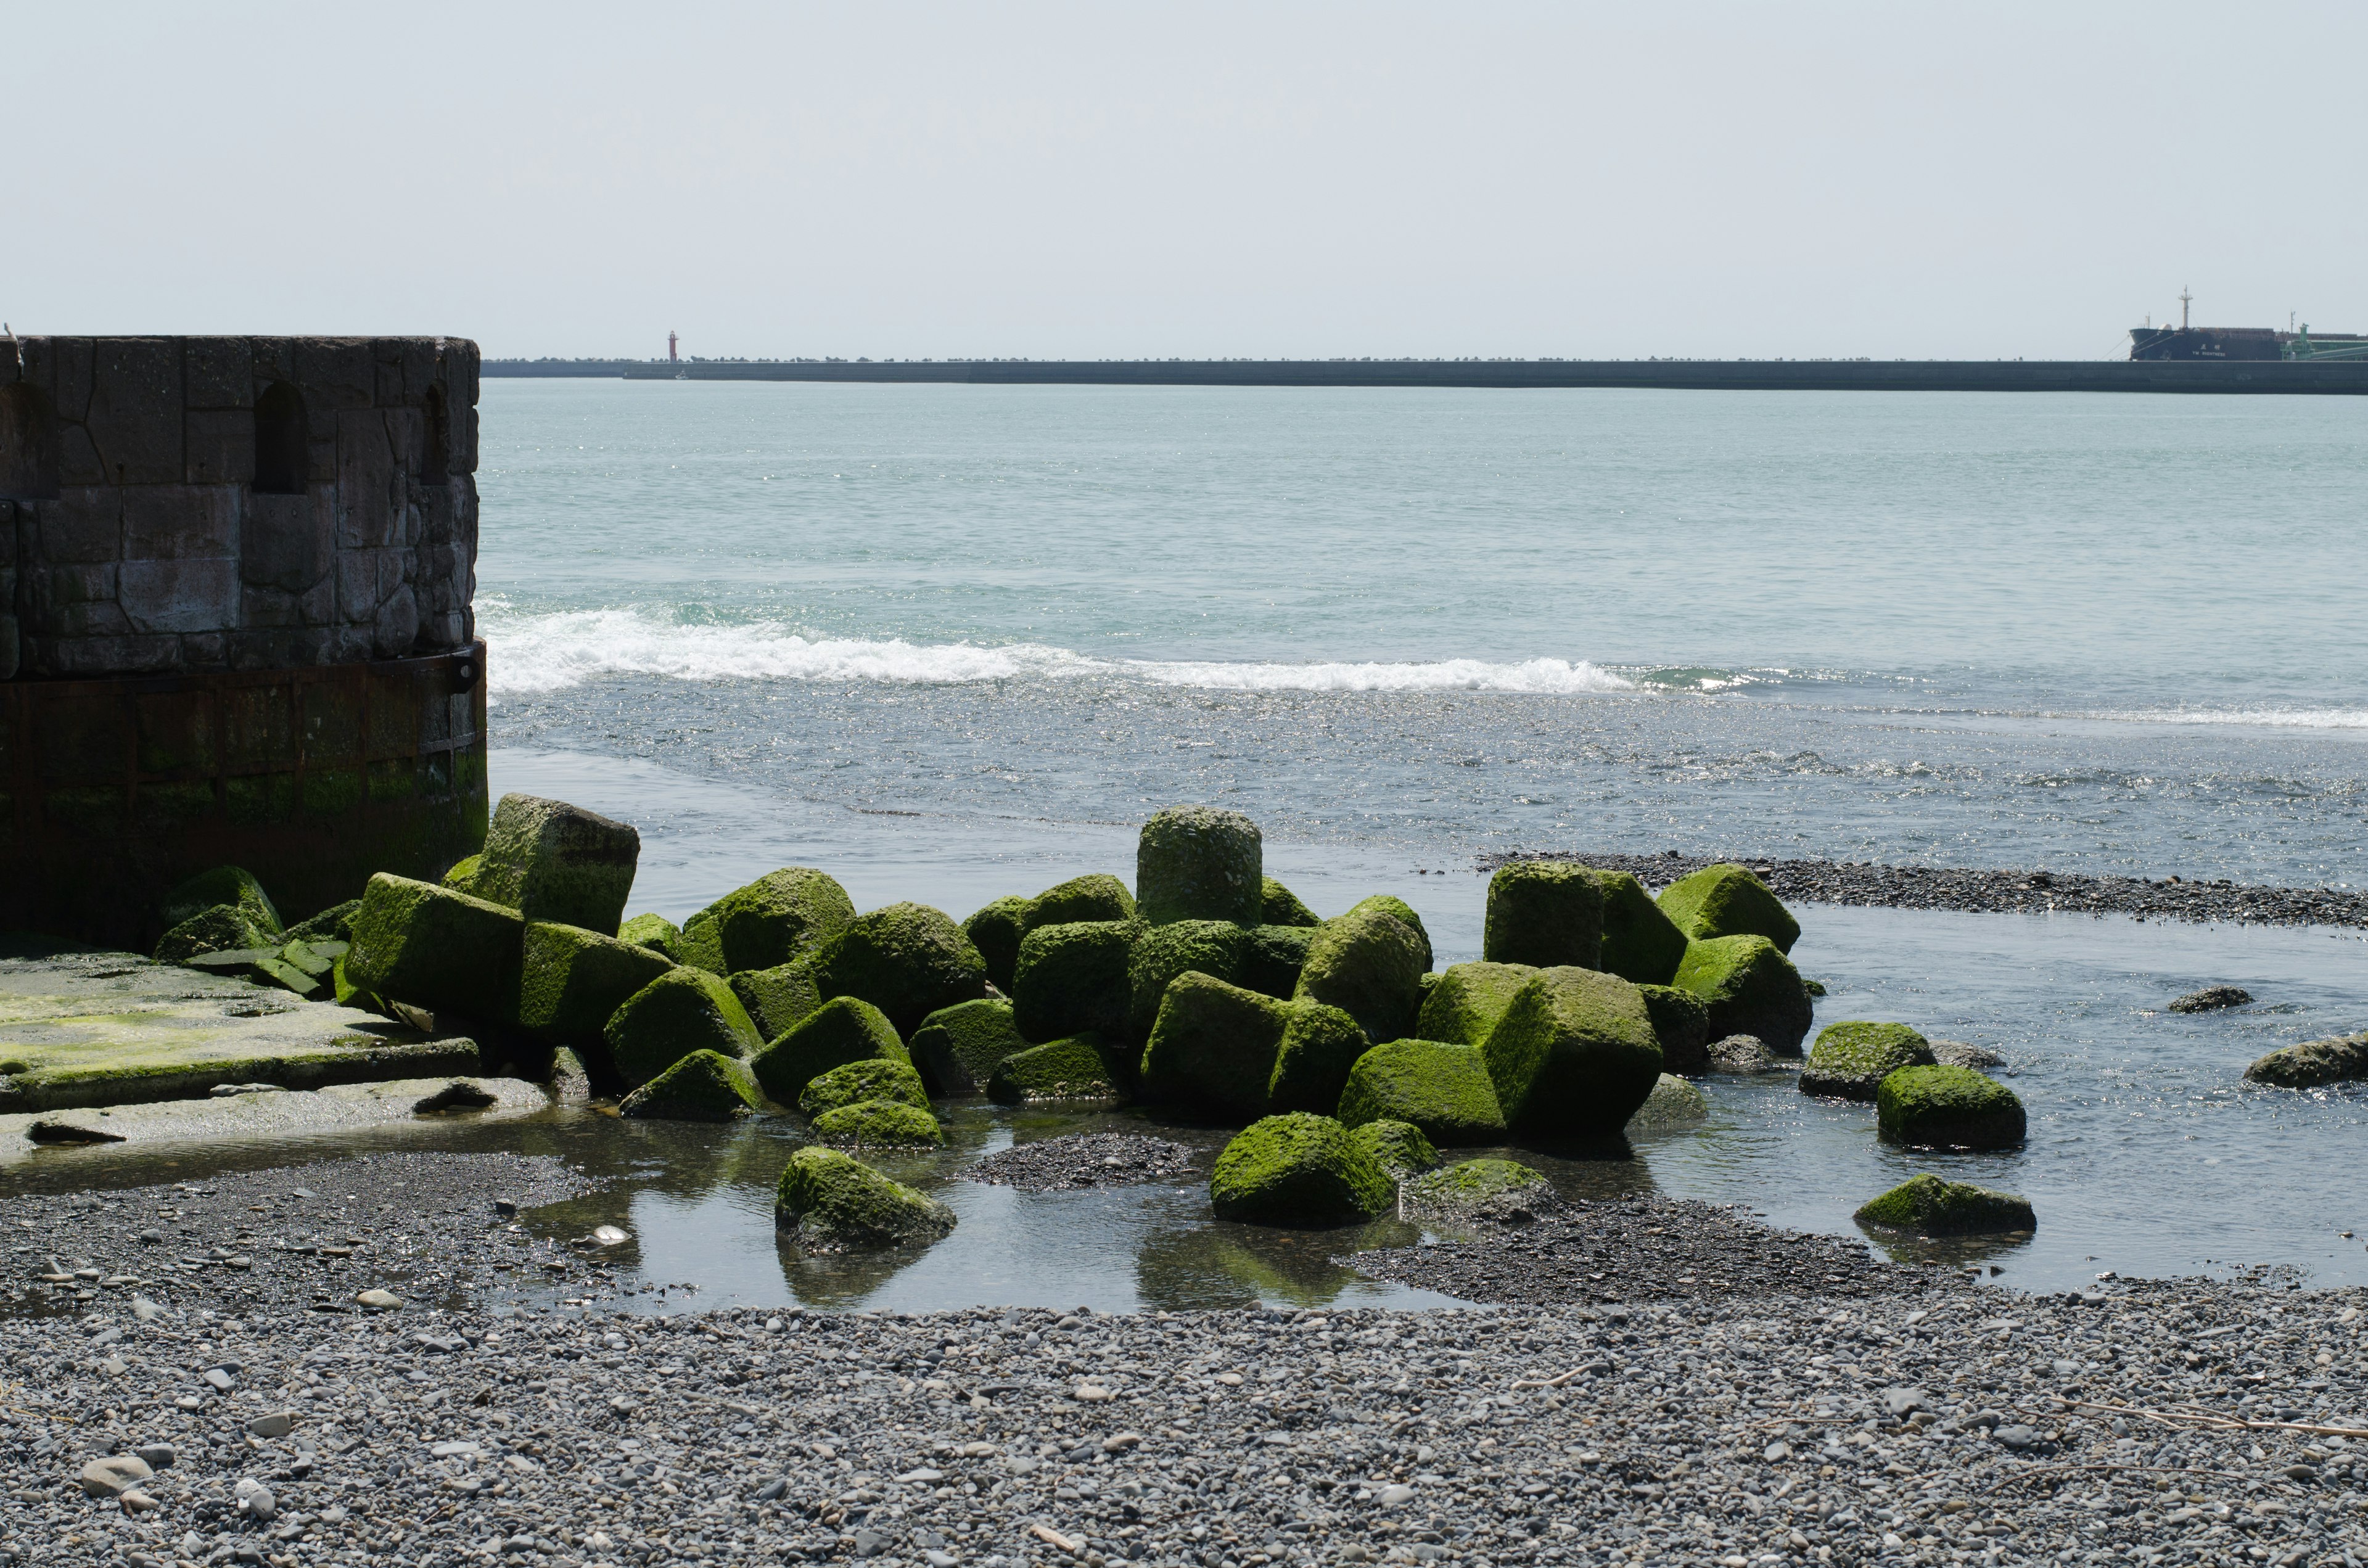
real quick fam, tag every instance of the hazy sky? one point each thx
(1103, 180)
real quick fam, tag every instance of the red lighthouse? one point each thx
(671, 352)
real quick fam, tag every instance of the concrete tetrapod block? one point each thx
(1437, 1085)
(782, 916)
(681, 1011)
(1298, 1169)
(436, 949)
(1749, 987)
(1073, 979)
(1200, 863)
(957, 1049)
(1370, 964)
(1726, 900)
(572, 981)
(832, 1202)
(1851, 1059)
(1464, 1005)
(560, 863)
(1544, 914)
(844, 1029)
(1574, 1056)
(906, 959)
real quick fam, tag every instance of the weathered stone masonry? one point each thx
(236, 577)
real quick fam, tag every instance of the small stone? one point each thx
(159, 1456)
(113, 1477)
(936, 1558)
(609, 1235)
(379, 1301)
(2212, 999)
(1091, 1394)
(137, 1502)
(271, 1427)
(1900, 1401)
(1395, 1496)
(923, 1474)
(505, 1208)
(773, 1490)
(219, 1380)
(2016, 1436)
(145, 1309)
(1774, 1452)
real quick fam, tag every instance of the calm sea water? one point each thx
(953, 642)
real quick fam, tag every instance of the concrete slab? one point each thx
(271, 1114)
(80, 1028)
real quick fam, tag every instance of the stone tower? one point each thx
(236, 577)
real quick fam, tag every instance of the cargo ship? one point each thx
(2250, 343)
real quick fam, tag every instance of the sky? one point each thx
(1142, 180)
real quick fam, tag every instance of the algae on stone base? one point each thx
(1389, 903)
(1211, 948)
(1073, 979)
(1948, 1107)
(1673, 1103)
(1212, 1048)
(1641, 944)
(1726, 900)
(225, 927)
(843, 1030)
(852, 1082)
(1274, 957)
(1442, 1088)
(1476, 1189)
(1928, 1206)
(436, 949)
(1545, 914)
(1370, 964)
(957, 1049)
(879, 1124)
(1463, 1004)
(995, 930)
(705, 1085)
(906, 959)
(1083, 1067)
(1749, 987)
(461, 876)
(1097, 896)
(1277, 906)
(780, 998)
(782, 916)
(1574, 1056)
(2342, 1059)
(334, 923)
(1397, 1147)
(1200, 863)
(1851, 1059)
(572, 981)
(654, 932)
(1681, 1023)
(560, 863)
(1298, 1169)
(831, 1202)
(681, 1011)
(223, 884)
(1320, 1047)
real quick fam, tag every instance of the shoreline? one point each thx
(1964, 890)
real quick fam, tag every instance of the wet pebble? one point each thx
(1085, 1160)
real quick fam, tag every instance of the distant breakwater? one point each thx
(1993, 893)
(2347, 378)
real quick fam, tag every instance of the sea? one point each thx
(951, 643)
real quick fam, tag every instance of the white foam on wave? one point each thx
(534, 654)
(2264, 718)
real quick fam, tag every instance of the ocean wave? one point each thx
(2266, 717)
(536, 653)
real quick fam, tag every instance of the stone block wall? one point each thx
(181, 505)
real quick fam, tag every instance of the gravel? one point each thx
(1993, 893)
(1953, 1424)
(1636, 1250)
(1085, 1159)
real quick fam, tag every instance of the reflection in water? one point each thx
(1220, 1265)
(1955, 1251)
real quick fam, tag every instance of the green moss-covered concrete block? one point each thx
(957, 1049)
(461, 875)
(1463, 1004)
(1947, 1107)
(553, 861)
(1574, 1056)
(1437, 1085)
(1851, 1059)
(995, 930)
(1274, 957)
(226, 927)
(1673, 1103)
(1370, 964)
(780, 998)
(1397, 1147)
(781, 916)
(654, 932)
(334, 923)
(1470, 1188)
(1212, 1048)
(1200, 863)
(1082, 1067)
(1727, 901)
(879, 1124)
(1320, 1045)
(1073, 979)
(698, 944)
(572, 979)
(1298, 1169)
(844, 1029)
(852, 1082)
(2342, 1059)
(225, 884)
(1277, 906)
(705, 1085)
(1163, 952)
(1641, 943)
(1928, 1206)
(1389, 903)
(1096, 897)
(681, 1011)
(433, 947)
(906, 959)
(831, 1202)
(1681, 1023)
(1749, 987)
(1544, 913)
